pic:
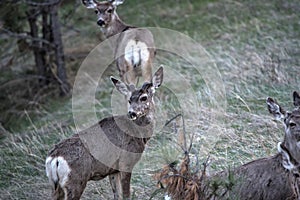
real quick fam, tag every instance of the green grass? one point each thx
(255, 45)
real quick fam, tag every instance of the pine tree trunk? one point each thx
(36, 46)
(59, 53)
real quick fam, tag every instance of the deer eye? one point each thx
(143, 98)
(109, 11)
(129, 101)
(292, 124)
(96, 11)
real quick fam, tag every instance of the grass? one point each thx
(256, 48)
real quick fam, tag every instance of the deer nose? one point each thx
(132, 115)
(101, 22)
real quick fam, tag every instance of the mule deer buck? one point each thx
(270, 178)
(76, 160)
(134, 48)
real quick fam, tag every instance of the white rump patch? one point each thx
(167, 197)
(49, 170)
(57, 170)
(136, 52)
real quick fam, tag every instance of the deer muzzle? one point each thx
(132, 115)
(101, 22)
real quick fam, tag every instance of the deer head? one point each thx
(105, 10)
(290, 147)
(140, 100)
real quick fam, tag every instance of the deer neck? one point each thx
(116, 26)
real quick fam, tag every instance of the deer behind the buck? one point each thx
(73, 162)
(134, 48)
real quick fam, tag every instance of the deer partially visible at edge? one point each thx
(134, 48)
(73, 162)
(274, 177)
(270, 178)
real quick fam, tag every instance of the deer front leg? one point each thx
(115, 183)
(120, 183)
(125, 184)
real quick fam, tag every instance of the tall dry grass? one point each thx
(256, 48)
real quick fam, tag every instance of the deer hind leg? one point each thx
(126, 71)
(58, 193)
(146, 64)
(69, 192)
(130, 77)
(74, 190)
(147, 70)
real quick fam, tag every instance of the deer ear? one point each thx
(117, 2)
(286, 159)
(120, 86)
(296, 98)
(275, 109)
(157, 78)
(90, 4)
